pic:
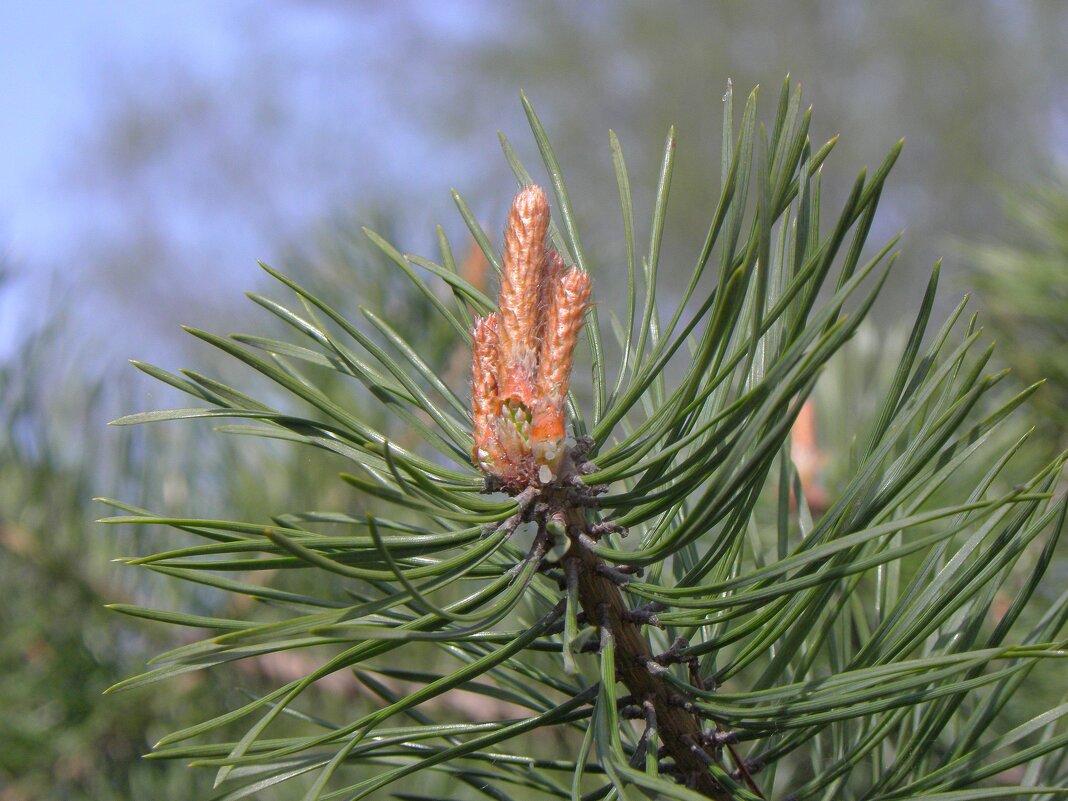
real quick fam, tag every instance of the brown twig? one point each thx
(521, 368)
(638, 670)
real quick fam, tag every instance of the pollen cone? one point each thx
(568, 300)
(521, 282)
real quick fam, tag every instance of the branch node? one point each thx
(580, 494)
(607, 527)
(674, 655)
(696, 749)
(558, 626)
(587, 542)
(650, 714)
(654, 667)
(525, 502)
(642, 615)
(677, 700)
(748, 768)
(718, 739)
(590, 646)
(617, 577)
(582, 447)
(638, 757)
(606, 624)
(670, 768)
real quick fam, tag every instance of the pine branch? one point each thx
(679, 727)
(842, 644)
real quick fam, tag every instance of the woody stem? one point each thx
(603, 604)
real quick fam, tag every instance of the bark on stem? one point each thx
(679, 730)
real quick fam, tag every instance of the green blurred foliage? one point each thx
(1023, 284)
(61, 649)
(964, 86)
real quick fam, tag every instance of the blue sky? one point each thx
(374, 83)
(55, 54)
(60, 64)
(52, 54)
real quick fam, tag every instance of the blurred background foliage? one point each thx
(1023, 283)
(319, 117)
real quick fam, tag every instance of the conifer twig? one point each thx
(520, 375)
